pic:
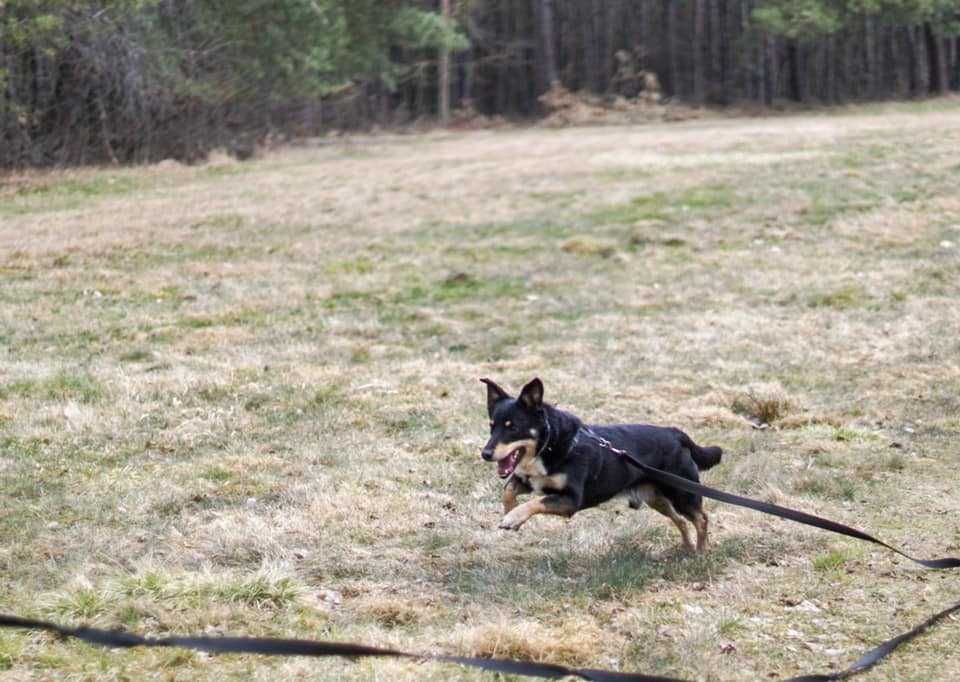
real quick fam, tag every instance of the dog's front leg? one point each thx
(561, 505)
(513, 488)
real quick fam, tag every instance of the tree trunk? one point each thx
(936, 60)
(610, 44)
(444, 103)
(670, 40)
(503, 65)
(599, 36)
(699, 30)
(793, 72)
(718, 40)
(919, 76)
(589, 44)
(771, 70)
(547, 42)
(870, 58)
(747, 58)
(956, 64)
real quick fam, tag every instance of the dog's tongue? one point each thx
(506, 465)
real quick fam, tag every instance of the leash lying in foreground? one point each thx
(267, 646)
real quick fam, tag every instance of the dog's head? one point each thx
(516, 425)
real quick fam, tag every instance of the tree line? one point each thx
(90, 81)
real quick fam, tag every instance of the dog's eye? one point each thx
(508, 423)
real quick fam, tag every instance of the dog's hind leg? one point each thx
(701, 523)
(658, 502)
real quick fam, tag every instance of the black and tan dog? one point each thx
(539, 448)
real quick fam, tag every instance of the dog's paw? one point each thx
(513, 520)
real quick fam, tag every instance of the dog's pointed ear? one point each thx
(532, 394)
(494, 394)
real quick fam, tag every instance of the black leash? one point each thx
(674, 481)
(268, 646)
(877, 654)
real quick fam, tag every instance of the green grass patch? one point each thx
(243, 317)
(830, 485)
(217, 474)
(667, 206)
(351, 266)
(80, 604)
(225, 221)
(461, 287)
(147, 585)
(843, 434)
(94, 185)
(350, 300)
(413, 421)
(259, 592)
(844, 298)
(830, 202)
(6, 656)
(830, 561)
(137, 355)
(435, 543)
(62, 386)
(326, 397)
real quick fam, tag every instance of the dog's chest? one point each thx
(534, 474)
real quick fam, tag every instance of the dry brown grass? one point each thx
(243, 398)
(763, 404)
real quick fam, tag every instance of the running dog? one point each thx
(571, 466)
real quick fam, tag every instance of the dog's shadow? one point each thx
(625, 566)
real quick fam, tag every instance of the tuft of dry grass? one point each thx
(390, 612)
(567, 642)
(587, 246)
(243, 398)
(764, 403)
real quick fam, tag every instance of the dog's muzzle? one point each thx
(506, 465)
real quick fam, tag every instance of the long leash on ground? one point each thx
(674, 481)
(297, 647)
(268, 646)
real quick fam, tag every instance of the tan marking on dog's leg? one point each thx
(665, 507)
(509, 497)
(548, 504)
(701, 522)
(522, 514)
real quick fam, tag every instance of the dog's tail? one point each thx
(705, 458)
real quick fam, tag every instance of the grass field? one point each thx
(243, 398)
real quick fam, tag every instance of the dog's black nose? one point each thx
(487, 455)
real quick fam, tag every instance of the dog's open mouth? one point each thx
(506, 465)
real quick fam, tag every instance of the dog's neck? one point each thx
(561, 429)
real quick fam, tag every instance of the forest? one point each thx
(128, 81)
